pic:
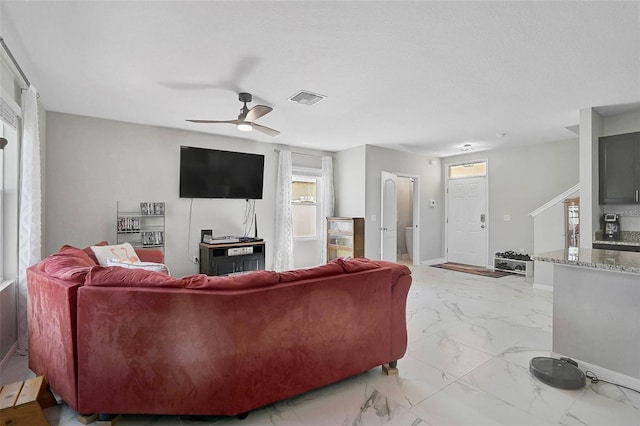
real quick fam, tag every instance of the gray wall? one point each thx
(358, 183)
(429, 174)
(520, 180)
(93, 163)
(350, 185)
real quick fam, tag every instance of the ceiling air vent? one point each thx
(306, 98)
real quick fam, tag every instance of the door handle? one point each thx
(637, 195)
(482, 218)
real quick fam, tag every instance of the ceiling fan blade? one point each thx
(267, 130)
(257, 112)
(216, 121)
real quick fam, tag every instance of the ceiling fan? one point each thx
(246, 119)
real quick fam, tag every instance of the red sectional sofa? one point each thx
(115, 340)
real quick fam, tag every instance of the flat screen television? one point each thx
(210, 173)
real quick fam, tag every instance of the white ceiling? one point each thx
(421, 76)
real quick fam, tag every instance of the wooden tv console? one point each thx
(231, 258)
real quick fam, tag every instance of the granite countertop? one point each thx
(614, 260)
(627, 238)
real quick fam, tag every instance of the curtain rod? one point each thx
(15, 63)
(300, 153)
(13, 59)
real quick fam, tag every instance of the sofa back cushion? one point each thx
(90, 252)
(250, 280)
(115, 276)
(358, 264)
(305, 274)
(70, 264)
(397, 269)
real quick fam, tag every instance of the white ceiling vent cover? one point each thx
(305, 97)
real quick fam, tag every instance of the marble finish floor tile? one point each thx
(533, 345)
(448, 355)
(470, 342)
(514, 384)
(602, 404)
(416, 381)
(462, 404)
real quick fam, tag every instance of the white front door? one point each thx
(389, 217)
(467, 221)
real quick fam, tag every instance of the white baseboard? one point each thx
(432, 261)
(604, 373)
(9, 355)
(543, 287)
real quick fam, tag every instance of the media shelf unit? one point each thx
(505, 264)
(345, 237)
(143, 228)
(231, 258)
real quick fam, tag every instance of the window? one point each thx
(304, 203)
(9, 203)
(468, 170)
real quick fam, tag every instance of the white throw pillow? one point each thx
(149, 266)
(122, 251)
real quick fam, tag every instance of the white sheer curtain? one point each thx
(283, 245)
(29, 234)
(326, 205)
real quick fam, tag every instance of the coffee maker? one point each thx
(611, 226)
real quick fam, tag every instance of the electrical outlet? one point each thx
(195, 259)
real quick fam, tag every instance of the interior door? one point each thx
(389, 217)
(467, 221)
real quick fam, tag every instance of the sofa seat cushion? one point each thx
(310, 273)
(70, 263)
(148, 266)
(116, 276)
(249, 280)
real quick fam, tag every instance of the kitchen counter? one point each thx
(596, 311)
(613, 260)
(617, 242)
(627, 239)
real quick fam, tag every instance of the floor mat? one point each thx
(469, 269)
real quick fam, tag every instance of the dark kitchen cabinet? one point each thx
(619, 158)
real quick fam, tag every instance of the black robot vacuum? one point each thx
(560, 373)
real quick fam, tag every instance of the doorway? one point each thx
(467, 218)
(404, 243)
(400, 213)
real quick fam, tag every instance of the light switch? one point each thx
(507, 218)
(374, 218)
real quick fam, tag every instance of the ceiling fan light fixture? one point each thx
(245, 127)
(466, 147)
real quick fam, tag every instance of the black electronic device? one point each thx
(210, 173)
(611, 226)
(204, 233)
(249, 239)
(561, 373)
